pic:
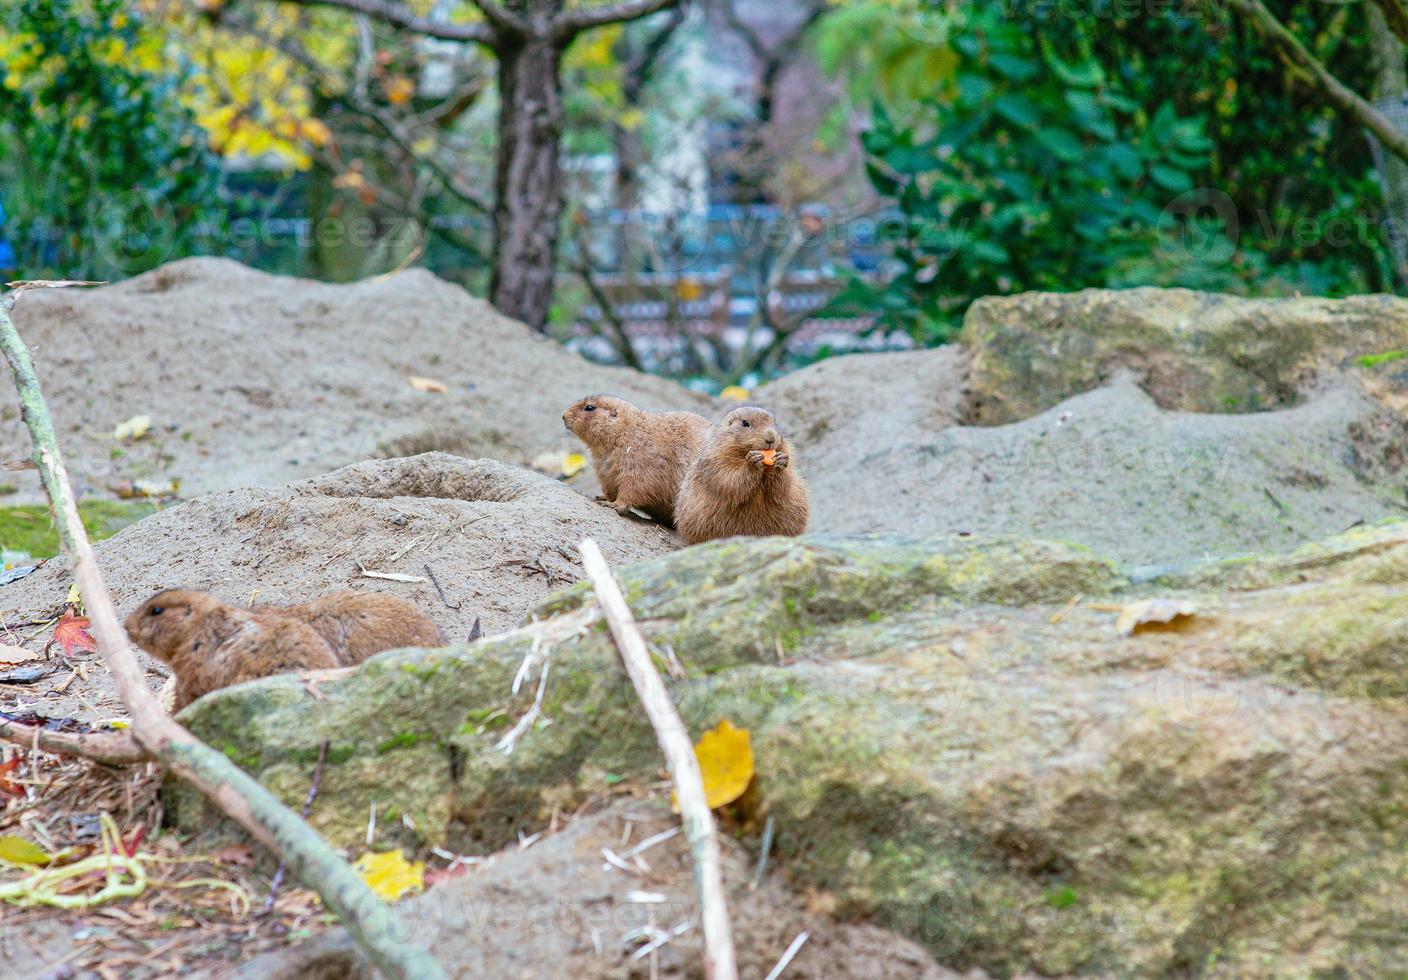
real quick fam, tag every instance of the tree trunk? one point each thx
(1391, 82)
(528, 183)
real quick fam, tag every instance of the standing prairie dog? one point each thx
(639, 456)
(743, 482)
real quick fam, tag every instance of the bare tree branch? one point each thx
(1396, 14)
(1297, 55)
(675, 745)
(398, 15)
(373, 925)
(568, 25)
(502, 19)
(110, 748)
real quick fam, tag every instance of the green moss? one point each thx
(27, 527)
(403, 740)
(1374, 360)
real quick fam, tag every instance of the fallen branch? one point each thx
(673, 736)
(109, 748)
(372, 924)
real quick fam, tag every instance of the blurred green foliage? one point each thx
(1031, 145)
(102, 172)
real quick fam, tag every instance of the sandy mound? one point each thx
(558, 910)
(252, 379)
(498, 539)
(882, 451)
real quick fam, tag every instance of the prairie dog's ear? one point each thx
(614, 413)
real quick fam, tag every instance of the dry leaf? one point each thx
(735, 393)
(133, 429)
(725, 757)
(1147, 612)
(427, 384)
(71, 633)
(17, 850)
(390, 875)
(7, 786)
(15, 655)
(239, 854)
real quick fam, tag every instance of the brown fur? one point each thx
(359, 625)
(728, 491)
(640, 457)
(210, 644)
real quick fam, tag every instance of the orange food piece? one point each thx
(769, 457)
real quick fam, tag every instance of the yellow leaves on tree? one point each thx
(390, 875)
(725, 755)
(251, 98)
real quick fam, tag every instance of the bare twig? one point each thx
(1296, 54)
(401, 16)
(673, 736)
(787, 956)
(307, 808)
(110, 748)
(372, 925)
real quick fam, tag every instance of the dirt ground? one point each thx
(254, 380)
(495, 539)
(558, 908)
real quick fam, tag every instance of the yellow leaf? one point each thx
(725, 757)
(399, 90)
(390, 875)
(74, 598)
(427, 384)
(572, 463)
(735, 393)
(17, 850)
(133, 429)
(316, 132)
(689, 289)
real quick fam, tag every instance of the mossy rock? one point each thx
(1199, 352)
(936, 753)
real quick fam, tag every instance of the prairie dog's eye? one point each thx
(589, 408)
(747, 424)
(154, 611)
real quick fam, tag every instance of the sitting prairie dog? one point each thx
(211, 644)
(359, 625)
(743, 482)
(639, 456)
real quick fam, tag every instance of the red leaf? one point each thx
(131, 849)
(6, 786)
(72, 633)
(434, 875)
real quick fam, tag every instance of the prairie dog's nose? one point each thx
(770, 437)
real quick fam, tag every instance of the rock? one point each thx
(880, 445)
(939, 757)
(1191, 351)
(497, 538)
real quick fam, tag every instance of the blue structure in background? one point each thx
(7, 251)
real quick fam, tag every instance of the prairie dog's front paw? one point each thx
(756, 457)
(780, 460)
